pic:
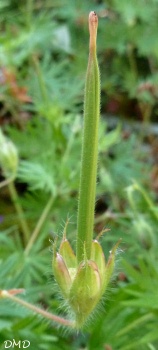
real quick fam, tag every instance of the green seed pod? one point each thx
(86, 204)
(83, 278)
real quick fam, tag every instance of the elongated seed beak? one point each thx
(93, 26)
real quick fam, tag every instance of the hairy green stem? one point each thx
(45, 314)
(87, 190)
(20, 213)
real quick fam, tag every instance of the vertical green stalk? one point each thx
(87, 190)
(21, 216)
(39, 225)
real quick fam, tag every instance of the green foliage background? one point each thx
(43, 50)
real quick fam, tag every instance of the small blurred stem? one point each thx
(40, 79)
(147, 199)
(109, 215)
(39, 225)
(135, 324)
(29, 11)
(5, 182)
(45, 314)
(21, 217)
(146, 110)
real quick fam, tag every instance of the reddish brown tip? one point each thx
(93, 18)
(93, 25)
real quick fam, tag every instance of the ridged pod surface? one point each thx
(89, 158)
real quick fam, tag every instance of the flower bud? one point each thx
(8, 157)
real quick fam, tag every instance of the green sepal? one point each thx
(85, 291)
(111, 263)
(97, 255)
(68, 254)
(61, 274)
